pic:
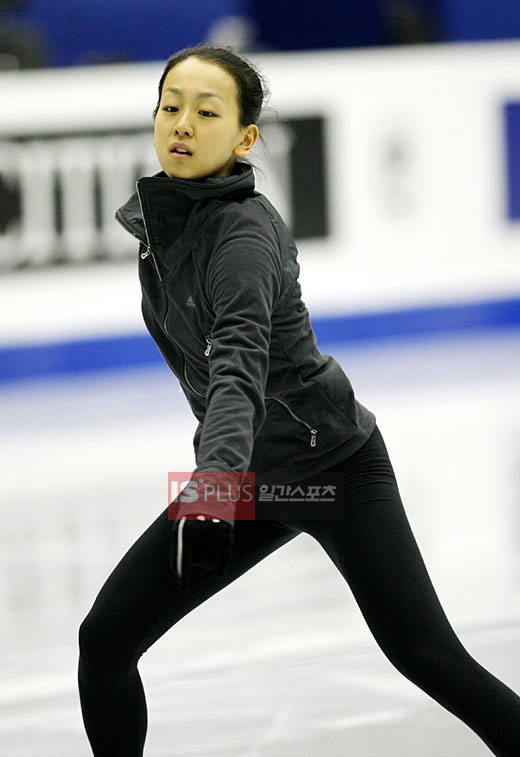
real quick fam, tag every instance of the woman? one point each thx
(221, 298)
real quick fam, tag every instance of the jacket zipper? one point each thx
(143, 256)
(148, 245)
(311, 429)
(206, 352)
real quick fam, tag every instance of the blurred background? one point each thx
(392, 150)
(41, 34)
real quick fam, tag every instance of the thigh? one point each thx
(376, 552)
(139, 600)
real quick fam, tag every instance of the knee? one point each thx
(413, 660)
(108, 640)
(89, 636)
(95, 640)
(424, 661)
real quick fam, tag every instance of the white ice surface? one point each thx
(281, 662)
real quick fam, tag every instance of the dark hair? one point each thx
(251, 85)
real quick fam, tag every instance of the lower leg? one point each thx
(437, 662)
(113, 705)
(132, 602)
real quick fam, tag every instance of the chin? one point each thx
(176, 174)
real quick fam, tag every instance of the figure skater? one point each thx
(221, 298)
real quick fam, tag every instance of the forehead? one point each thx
(194, 75)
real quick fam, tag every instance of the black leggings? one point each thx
(375, 551)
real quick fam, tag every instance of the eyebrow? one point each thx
(200, 96)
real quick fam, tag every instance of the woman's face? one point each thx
(199, 113)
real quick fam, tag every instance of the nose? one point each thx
(183, 127)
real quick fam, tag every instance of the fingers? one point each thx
(193, 545)
(224, 559)
(225, 551)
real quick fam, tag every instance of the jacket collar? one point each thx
(181, 192)
(241, 180)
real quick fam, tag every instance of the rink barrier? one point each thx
(19, 362)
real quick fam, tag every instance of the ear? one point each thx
(246, 144)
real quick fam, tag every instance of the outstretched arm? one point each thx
(244, 283)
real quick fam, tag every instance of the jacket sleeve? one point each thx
(244, 281)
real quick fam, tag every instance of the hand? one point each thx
(204, 543)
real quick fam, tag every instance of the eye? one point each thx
(208, 113)
(170, 108)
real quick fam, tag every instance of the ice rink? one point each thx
(280, 663)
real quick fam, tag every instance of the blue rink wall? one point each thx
(73, 356)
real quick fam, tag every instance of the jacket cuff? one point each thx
(210, 493)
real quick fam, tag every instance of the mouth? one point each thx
(180, 151)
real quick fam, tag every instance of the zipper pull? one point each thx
(313, 437)
(208, 348)
(145, 254)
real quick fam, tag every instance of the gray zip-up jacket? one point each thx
(221, 298)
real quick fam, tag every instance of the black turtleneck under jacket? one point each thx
(221, 298)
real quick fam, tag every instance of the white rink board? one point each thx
(415, 158)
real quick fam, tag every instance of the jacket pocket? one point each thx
(312, 431)
(188, 382)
